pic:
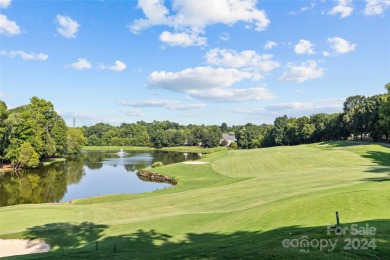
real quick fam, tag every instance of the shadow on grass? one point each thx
(151, 244)
(379, 170)
(65, 235)
(377, 179)
(381, 158)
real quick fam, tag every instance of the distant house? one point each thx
(228, 138)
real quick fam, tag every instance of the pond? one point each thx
(88, 175)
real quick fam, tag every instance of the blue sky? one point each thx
(194, 61)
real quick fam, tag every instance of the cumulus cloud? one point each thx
(197, 78)
(8, 27)
(233, 95)
(118, 66)
(302, 72)
(192, 17)
(376, 7)
(269, 45)
(182, 39)
(155, 12)
(81, 64)
(211, 84)
(304, 47)
(67, 26)
(5, 3)
(343, 7)
(25, 55)
(340, 45)
(134, 112)
(165, 103)
(247, 59)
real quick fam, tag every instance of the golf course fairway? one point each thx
(242, 204)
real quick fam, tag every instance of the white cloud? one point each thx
(301, 108)
(211, 84)
(155, 12)
(340, 45)
(247, 59)
(305, 8)
(67, 26)
(224, 36)
(182, 39)
(294, 109)
(207, 83)
(305, 71)
(8, 27)
(134, 112)
(119, 66)
(343, 7)
(25, 55)
(326, 53)
(233, 95)
(166, 103)
(2, 94)
(376, 7)
(304, 47)
(191, 17)
(199, 14)
(5, 3)
(269, 45)
(197, 78)
(81, 64)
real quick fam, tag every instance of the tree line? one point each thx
(362, 117)
(32, 132)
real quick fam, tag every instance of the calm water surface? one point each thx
(89, 174)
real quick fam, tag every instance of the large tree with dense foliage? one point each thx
(32, 132)
(384, 113)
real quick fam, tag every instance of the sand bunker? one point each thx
(9, 247)
(194, 162)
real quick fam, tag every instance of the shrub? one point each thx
(157, 164)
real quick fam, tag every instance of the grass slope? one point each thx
(242, 204)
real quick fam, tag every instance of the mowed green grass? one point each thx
(242, 204)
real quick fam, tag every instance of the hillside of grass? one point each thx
(242, 204)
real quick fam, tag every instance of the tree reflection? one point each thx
(47, 184)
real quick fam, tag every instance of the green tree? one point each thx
(27, 156)
(75, 140)
(384, 113)
(3, 129)
(280, 124)
(354, 112)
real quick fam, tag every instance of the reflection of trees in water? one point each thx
(171, 157)
(93, 160)
(136, 166)
(47, 184)
(75, 170)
